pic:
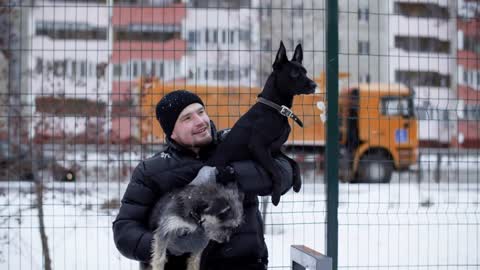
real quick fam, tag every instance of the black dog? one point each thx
(261, 131)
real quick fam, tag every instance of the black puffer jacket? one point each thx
(247, 245)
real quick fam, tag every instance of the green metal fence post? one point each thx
(332, 147)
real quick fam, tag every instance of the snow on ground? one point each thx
(401, 225)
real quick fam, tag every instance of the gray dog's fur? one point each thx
(187, 219)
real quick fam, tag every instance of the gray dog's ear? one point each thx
(298, 55)
(281, 56)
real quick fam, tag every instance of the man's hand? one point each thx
(209, 174)
(184, 240)
(225, 175)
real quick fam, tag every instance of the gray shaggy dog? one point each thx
(187, 219)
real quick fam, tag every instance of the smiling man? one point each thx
(191, 139)
(193, 127)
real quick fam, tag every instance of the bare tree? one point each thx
(12, 23)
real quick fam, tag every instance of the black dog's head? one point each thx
(290, 75)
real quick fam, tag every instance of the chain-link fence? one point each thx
(80, 80)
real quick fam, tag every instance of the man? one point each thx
(191, 138)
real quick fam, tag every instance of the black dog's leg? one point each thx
(262, 155)
(297, 177)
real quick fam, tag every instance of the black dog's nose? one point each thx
(313, 84)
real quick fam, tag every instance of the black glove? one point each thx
(225, 175)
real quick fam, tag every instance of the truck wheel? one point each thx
(375, 168)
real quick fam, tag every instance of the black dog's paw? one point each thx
(276, 193)
(275, 199)
(297, 181)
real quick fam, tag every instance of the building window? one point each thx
(363, 47)
(224, 36)
(144, 68)
(364, 78)
(161, 70)
(153, 69)
(232, 33)
(246, 72)
(59, 68)
(472, 112)
(83, 69)
(363, 14)
(220, 75)
(215, 35)
(244, 35)
(206, 35)
(191, 36)
(91, 70)
(206, 74)
(128, 69)
(70, 30)
(135, 69)
(421, 10)
(117, 70)
(39, 65)
(422, 78)
(232, 75)
(73, 65)
(422, 44)
(471, 44)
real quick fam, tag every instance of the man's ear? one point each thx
(298, 55)
(281, 57)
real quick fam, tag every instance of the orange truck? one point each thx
(375, 137)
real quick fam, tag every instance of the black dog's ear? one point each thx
(281, 56)
(298, 55)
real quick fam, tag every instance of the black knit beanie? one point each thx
(171, 105)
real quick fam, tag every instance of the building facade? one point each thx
(221, 36)
(147, 42)
(362, 42)
(69, 68)
(468, 59)
(423, 56)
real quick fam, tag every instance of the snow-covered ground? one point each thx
(401, 225)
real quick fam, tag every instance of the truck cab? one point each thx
(378, 131)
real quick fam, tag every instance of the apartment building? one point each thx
(147, 43)
(423, 56)
(69, 69)
(363, 45)
(468, 60)
(220, 38)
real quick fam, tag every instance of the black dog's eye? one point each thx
(295, 73)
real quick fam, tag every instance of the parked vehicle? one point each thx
(378, 131)
(19, 162)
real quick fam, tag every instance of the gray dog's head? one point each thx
(222, 213)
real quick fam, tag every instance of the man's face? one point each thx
(192, 128)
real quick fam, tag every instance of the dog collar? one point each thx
(283, 110)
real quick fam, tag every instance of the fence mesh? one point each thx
(79, 81)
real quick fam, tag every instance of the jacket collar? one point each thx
(204, 151)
